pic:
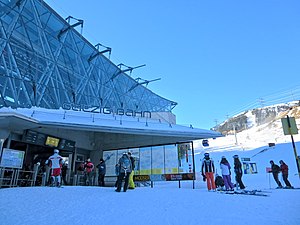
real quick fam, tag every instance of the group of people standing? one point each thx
(126, 165)
(89, 173)
(208, 170)
(124, 170)
(284, 169)
(59, 170)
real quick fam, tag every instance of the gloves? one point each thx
(204, 178)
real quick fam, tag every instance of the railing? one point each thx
(10, 177)
(17, 178)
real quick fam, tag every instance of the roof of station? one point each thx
(112, 131)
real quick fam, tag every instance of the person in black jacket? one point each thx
(101, 172)
(131, 184)
(64, 170)
(219, 183)
(275, 171)
(208, 170)
(238, 172)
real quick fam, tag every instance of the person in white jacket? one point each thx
(226, 174)
(55, 162)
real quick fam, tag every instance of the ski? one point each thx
(246, 192)
(252, 192)
(289, 188)
(264, 191)
(225, 192)
(297, 188)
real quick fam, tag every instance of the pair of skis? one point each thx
(247, 192)
(252, 192)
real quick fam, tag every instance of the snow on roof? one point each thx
(104, 122)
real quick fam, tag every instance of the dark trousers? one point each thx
(286, 181)
(120, 179)
(88, 179)
(275, 175)
(101, 180)
(238, 178)
(64, 180)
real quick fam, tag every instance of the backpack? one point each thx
(125, 163)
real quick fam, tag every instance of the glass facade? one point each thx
(154, 160)
(45, 62)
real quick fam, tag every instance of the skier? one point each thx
(285, 173)
(124, 172)
(275, 171)
(208, 170)
(131, 182)
(101, 172)
(238, 171)
(55, 162)
(226, 174)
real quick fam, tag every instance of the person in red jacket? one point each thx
(285, 173)
(88, 172)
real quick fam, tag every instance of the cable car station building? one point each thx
(58, 91)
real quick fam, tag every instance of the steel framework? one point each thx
(45, 62)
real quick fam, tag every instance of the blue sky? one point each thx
(214, 58)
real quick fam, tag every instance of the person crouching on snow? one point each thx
(219, 183)
(55, 162)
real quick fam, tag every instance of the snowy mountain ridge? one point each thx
(254, 128)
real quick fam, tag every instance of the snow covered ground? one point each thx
(165, 203)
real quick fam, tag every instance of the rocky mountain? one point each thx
(258, 117)
(254, 128)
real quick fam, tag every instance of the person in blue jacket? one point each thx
(125, 167)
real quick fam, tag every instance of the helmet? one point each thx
(56, 151)
(235, 156)
(206, 155)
